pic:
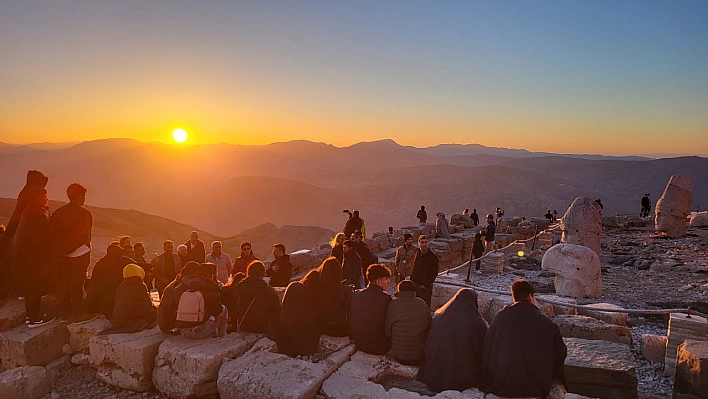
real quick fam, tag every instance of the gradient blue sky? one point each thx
(608, 77)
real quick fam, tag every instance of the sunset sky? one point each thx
(610, 77)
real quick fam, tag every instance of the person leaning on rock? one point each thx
(524, 351)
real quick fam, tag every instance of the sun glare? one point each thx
(180, 135)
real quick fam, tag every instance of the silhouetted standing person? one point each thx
(489, 232)
(422, 215)
(70, 244)
(353, 224)
(167, 266)
(475, 217)
(646, 206)
(425, 269)
(195, 248)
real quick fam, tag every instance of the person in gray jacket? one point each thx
(407, 322)
(442, 226)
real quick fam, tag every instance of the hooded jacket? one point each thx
(30, 241)
(523, 352)
(167, 312)
(133, 310)
(459, 366)
(369, 308)
(281, 278)
(34, 179)
(407, 322)
(238, 298)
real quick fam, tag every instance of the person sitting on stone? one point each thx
(459, 366)
(191, 304)
(296, 331)
(241, 263)
(106, 278)
(404, 259)
(251, 302)
(407, 322)
(133, 310)
(221, 260)
(425, 269)
(280, 269)
(369, 308)
(524, 351)
(352, 266)
(334, 300)
(337, 244)
(442, 226)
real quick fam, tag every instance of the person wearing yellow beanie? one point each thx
(133, 270)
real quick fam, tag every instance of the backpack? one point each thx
(191, 310)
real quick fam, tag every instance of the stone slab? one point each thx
(80, 333)
(27, 382)
(681, 328)
(559, 309)
(692, 369)
(262, 373)
(573, 326)
(600, 369)
(24, 346)
(126, 360)
(12, 314)
(609, 317)
(188, 368)
(654, 347)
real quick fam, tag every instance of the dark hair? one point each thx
(114, 249)
(243, 244)
(168, 242)
(191, 268)
(330, 273)
(422, 237)
(407, 285)
(255, 268)
(355, 213)
(407, 236)
(521, 289)
(280, 247)
(422, 207)
(36, 192)
(138, 245)
(478, 236)
(238, 277)
(349, 243)
(123, 239)
(75, 190)
(377, 271)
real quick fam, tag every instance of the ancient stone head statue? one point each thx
(673, 207)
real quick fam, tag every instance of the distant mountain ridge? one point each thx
(226, 188)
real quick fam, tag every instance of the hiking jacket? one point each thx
(407, 322)
(405, 260)
(369, 308)
(489, 231)
(238, 298)
(281, 278)
(167, 312)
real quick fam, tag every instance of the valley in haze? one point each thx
(225, 189)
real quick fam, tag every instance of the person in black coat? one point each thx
(106, 278)
(524, 351)
(31, 257)
(133, 310)
(422, 215)
(352, 266)
(425, 269)
(369, 308)
(280, 270)
(475, 217)
(297, 332)
(195, 249)
(252, 303)
(477, 252)
(456, 367)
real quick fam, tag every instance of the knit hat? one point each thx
(133, 270)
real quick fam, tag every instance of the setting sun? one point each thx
(180, 135)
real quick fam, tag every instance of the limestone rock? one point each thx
(12, 314)
(673, 207)
(81, 333)
(699, 219)
(493, 263)
(582, 224)
(600, 369)
(609, 221)
(559, 309)
(464, 220)
(262, 373)
(441, 294)
(577, 270)
(24, 346)
(81, 359)
(682, 328)
(188, 368)
(692, 369)
(126, 360)
(589, 328)
(654, 347)
(27, 382)
(617, 318)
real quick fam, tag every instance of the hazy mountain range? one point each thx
(225, 189)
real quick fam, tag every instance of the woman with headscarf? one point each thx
(442, 226)
(459, 366)
(133, 310)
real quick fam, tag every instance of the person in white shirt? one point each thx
(221, 260)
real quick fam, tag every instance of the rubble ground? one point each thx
(639, 270)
